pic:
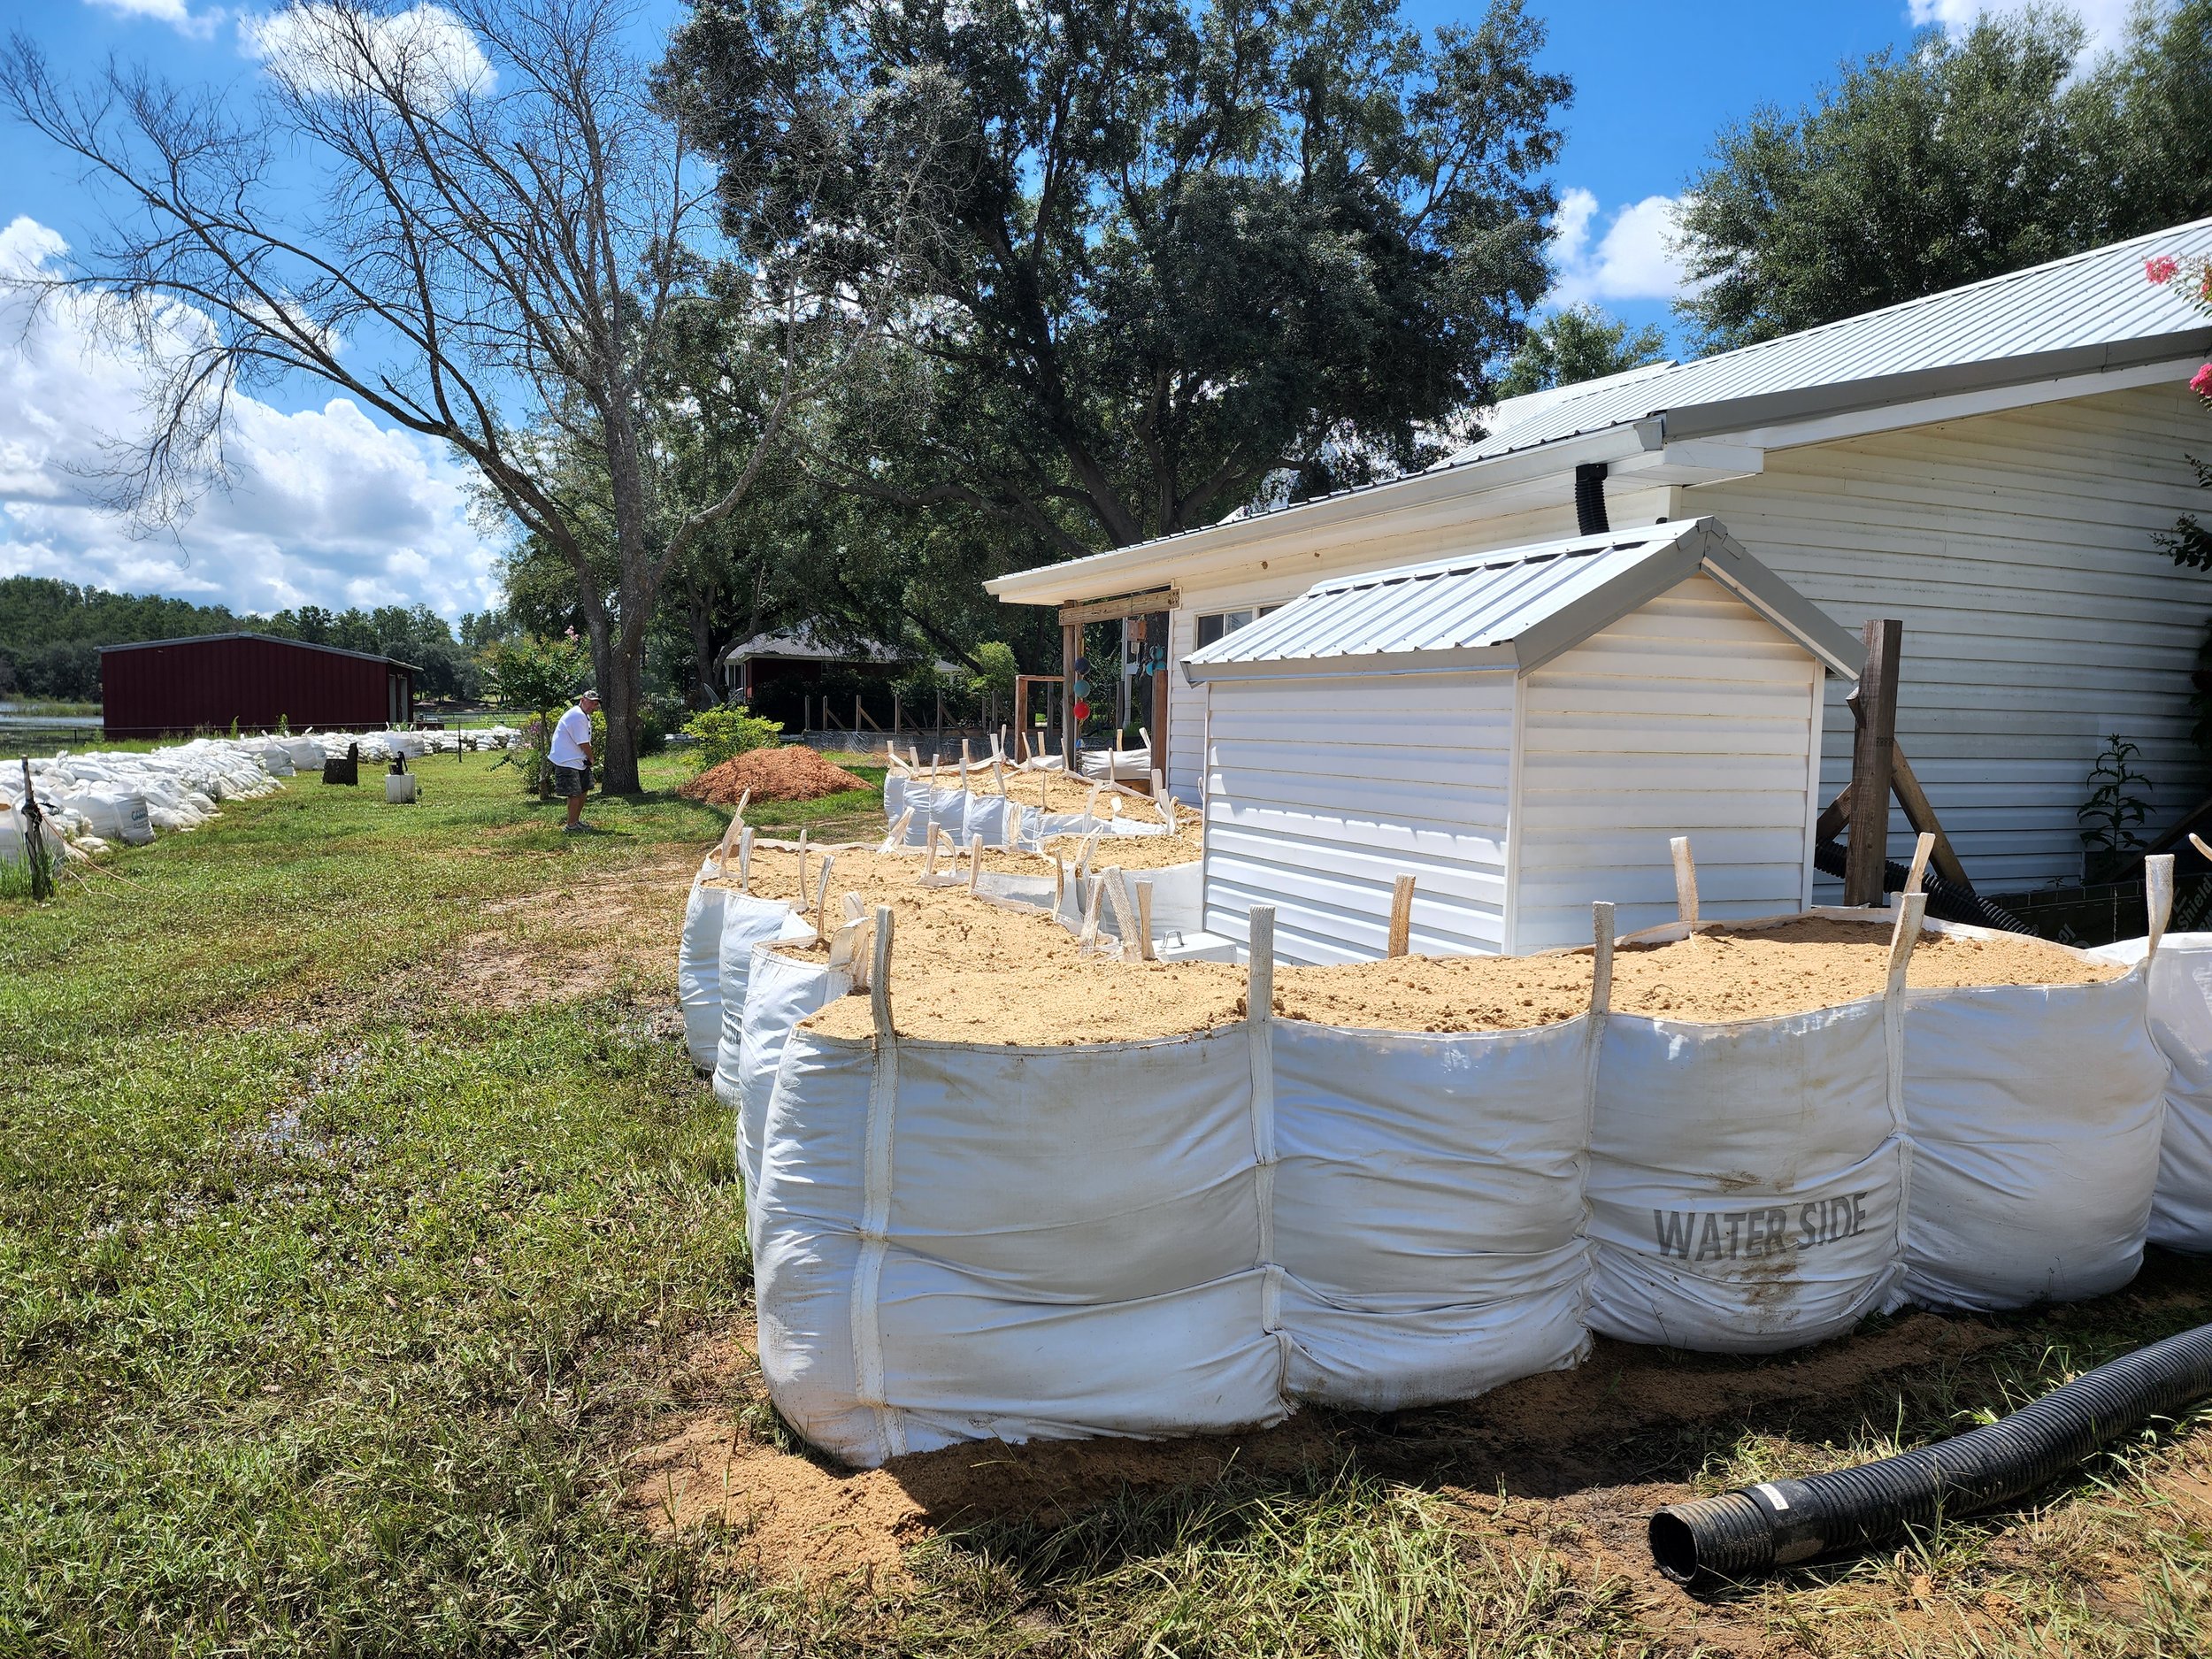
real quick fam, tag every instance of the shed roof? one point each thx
(266, 639)
(1515, 609)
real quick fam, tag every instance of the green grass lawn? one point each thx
(337, 1288)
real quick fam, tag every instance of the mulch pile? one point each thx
(793, 772)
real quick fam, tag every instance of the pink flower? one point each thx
(2162, 270)
(2201, 382)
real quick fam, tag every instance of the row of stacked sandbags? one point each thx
(93, 799)
(1037, 1190)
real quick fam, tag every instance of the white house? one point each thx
(1520, 732)
(1990, 464)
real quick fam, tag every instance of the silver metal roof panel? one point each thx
(1512, 609)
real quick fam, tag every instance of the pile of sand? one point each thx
(1004, 978)
(794, 773)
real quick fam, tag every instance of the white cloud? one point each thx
(326, 507)
(175, 13)
(323, 47)
(2106, 19)
(1633, 260)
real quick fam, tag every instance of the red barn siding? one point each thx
(181, 686)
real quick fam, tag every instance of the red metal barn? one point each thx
(251, 680)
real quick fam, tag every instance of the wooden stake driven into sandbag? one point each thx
(1601, 958)
(1401, 916)
(879, 974)
(1259, 993)
(745, 860)
(802, 865)
(1912, 914)
(975, 860)
(821, 899)
(1685, 881)
(1144, 920)
(1922, 849)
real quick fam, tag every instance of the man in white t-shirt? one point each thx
(570, 754)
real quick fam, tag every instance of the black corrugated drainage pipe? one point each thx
(1590, 499)
(1946, 903)
(1776, 1524)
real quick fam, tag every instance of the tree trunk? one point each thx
(705, 695)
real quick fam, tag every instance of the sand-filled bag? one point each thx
(959, 1242)
(1748, 1178)
(1427, 1205)
(2036, 1114)
(2181, 1024)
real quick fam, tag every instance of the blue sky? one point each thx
(330, 509)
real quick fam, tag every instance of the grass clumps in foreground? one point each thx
(359, 1215)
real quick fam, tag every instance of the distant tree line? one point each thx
(51, 632)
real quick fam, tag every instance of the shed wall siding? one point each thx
(1694, 716)
(2039, 615)
(1321, 792)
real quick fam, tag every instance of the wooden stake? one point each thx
(1259, 996)
(1144, 920)
(802, 863)
(745, 860)
(821, 899)
(1875, 704)
(1685, 881)
(1912, 913)
(1401, 916)
(1602, 961)
(2158, 897)
(1922, 850)
(879, 974)
(975, 860)
(1091, 896)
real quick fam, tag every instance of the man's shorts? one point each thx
(568, 781)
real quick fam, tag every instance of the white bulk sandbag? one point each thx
(2035, 1114)
(1748, 1179)
(278, 759)
(766, 995)
(995, 819)
(2181, 1024)
(699, 969)
(116, 815)
(1428, 1209)
(957, 1242)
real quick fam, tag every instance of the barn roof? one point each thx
(269, 639)
(1514, 608)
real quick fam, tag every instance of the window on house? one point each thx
(1213, 626)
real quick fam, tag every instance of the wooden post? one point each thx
(879, 976)
(1602, 959)
(1875, 703)
(1144, 920)
(34, 840)
(1071, 648)
(1401, 915)
(1685, 881)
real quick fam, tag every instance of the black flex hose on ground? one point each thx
(1946, 903)
(1754, 1530)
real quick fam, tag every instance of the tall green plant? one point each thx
(2115, 809)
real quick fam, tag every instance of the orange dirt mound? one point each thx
(794, 773)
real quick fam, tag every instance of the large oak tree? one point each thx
(1181, 249)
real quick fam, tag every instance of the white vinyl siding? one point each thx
(1694, 717)
(2016, 549)
(1322, 792)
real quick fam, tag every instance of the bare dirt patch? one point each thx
(584, 938)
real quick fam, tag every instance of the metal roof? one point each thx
(269, 639)
(2088, 311)
(1512, 609)
(2083, 314)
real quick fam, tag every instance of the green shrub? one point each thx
(718, 734)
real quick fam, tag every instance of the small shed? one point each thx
(156, 688)
(1520, 731)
